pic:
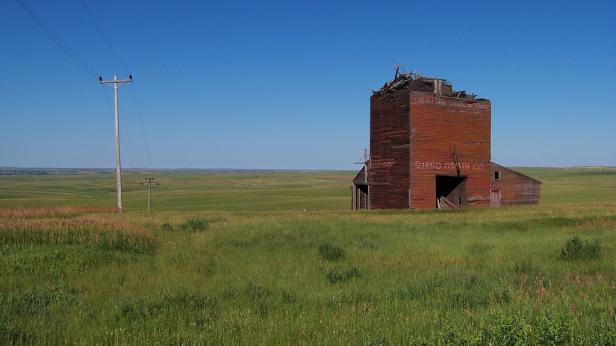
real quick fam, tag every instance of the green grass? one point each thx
(277, 258)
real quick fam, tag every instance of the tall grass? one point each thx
(51, 212)
(110, 234)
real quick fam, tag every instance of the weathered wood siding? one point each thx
(437, 125)
(516, 188)
(388, 173)
(414, 128)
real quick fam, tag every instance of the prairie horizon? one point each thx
(274, 257)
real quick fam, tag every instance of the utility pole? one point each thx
(150, 181)
(115, 83)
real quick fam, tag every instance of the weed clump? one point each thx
(578, 249)
(526, 267)
(195, 224)
(331, 252)
(264, 300)
(552, 328)
(505, 329)
(474, 293)
(334, 276)
(479, 248)
(158, 306)
(166, 227)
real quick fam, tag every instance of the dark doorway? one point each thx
(450, 191)
(360, 197)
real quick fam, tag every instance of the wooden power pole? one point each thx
(115, 83)
(149, 182)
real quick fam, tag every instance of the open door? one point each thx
(360, 197)
(450, 191)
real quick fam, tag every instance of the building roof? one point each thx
(516, 172)
(415, 82)
(360, 178)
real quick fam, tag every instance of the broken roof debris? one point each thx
(415, 82)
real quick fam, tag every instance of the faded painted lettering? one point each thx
(432, 165)
(429, 100)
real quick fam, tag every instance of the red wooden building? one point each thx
(430, 148)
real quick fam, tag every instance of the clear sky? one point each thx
(286, 84)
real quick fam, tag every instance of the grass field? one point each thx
(278, 258)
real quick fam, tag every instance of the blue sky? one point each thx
(287, 84)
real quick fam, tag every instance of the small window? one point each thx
(497, 175)
(459, 200)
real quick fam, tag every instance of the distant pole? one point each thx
(149, 196)
(118, 163)
(150, 181)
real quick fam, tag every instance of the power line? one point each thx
(117, 57)
(63, 46)
(145, 138)
(100, 31)
(134, 155)
(82, 64)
